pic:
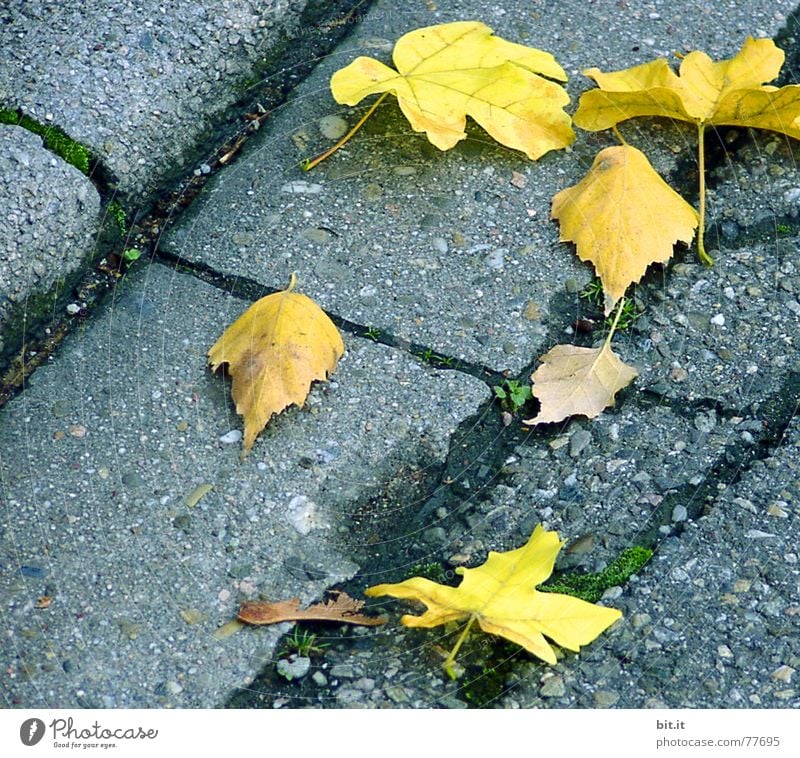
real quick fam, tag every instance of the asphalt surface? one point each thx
(445, 275)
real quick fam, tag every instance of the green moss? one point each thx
(117, 212)
(433, 571)
(54, 139)
(590, 587)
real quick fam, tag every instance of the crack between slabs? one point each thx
(250, 290)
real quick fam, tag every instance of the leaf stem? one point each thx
(701, 164)
(618, 135)
(309, 163)
(611, 331)
(448, 664)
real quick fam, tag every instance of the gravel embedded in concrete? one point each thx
(50, 217)
(141, 83)
(139, 579)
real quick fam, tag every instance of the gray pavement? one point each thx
(395, 463)
(48, 234)
(149, 89)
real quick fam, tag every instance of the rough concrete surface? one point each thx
(99, 457)
(140, 83)
(395, 468)
(50, 219)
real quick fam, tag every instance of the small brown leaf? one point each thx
(341, 608)
(578, 381)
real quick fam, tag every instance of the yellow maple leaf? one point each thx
(501, 596)
(447, 72)
(578, 381)
(729, 92)
(622, 216)
(274, 351)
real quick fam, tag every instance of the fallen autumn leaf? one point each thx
(501, 596)
(447, 72)
(274, 351)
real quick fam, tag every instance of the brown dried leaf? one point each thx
(576, 381)
(340, 608)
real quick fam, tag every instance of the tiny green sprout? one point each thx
(117, 212)
(513, 394)
(784, 229)
(593, 292)
(427, 355)
(630, 312)
(372, 333)
(445, 360)
(303, 644)
(130, 255)
(433, 571)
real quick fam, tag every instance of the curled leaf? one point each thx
(340, 607)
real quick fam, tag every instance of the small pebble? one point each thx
(133, 479)
(605, 698)
(317, 236)
(300, 187)
(783, 674)
(231, 437)
(332, 127)
(553, 687)
(294, 667)
(495, 259)
(679, 513)
(578, 442)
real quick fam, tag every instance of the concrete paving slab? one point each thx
(99, 456)
(438, 248)
(50, 219)
(143, 83)
(712, 621)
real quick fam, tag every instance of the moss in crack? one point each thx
(28, 320)
(54, 139)
(590, 587)
(117, 214)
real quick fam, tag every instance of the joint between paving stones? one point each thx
(250, 290)
(55, 139)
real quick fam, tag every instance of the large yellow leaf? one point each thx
(622, 216)
(447, 72)
(274, 350)
(578, 381)
(728, 92)
(501, 596)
